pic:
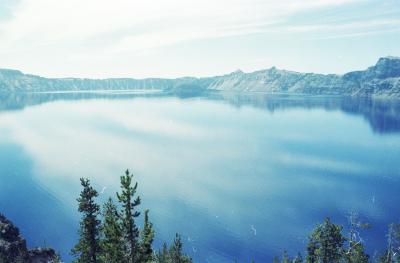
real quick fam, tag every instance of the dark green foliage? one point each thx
(146, 242)
(298, 259)
(113, 243)
(176, 251)
(357, 254)
(174, 254)
(285, 257)
(19, 258)
(382, 258)
(117, 239)
(88, 247)
(393, 243)
(129, 203)
(311, 251)
(123, 242)
(162, 256)
(326, 243)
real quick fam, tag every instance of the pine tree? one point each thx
(147, 237)
(298, 258)
(355, 252)
(176, 251)
(393, 244)
(88, 247)
(311, 251)
(112, 245)
(162, 256)
(126, 198)
(285, 257)
(326, 243)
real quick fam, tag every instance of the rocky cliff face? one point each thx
(277, 81)
(380, 80)
(383, 79)
(13, 246)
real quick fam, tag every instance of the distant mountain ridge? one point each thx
(380, 80)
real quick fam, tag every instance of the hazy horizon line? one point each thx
(197, 77)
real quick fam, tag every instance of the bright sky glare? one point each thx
(173, 38)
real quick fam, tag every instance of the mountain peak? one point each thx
(388, 59)
(10, 72)
(386, 67)
(391, 58)
(237, 72)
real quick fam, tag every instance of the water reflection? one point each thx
(41, 217)
(238, 182)
(383, 115)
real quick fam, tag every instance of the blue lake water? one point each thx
(239, 176)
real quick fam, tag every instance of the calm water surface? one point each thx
(240, 177)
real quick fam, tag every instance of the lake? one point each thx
(240, 176)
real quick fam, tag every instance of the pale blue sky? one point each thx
(161, 38)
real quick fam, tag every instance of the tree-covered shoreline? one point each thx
(109, 233)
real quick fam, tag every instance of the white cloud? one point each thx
(47, 34)
(345, 26)
(138, 24)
